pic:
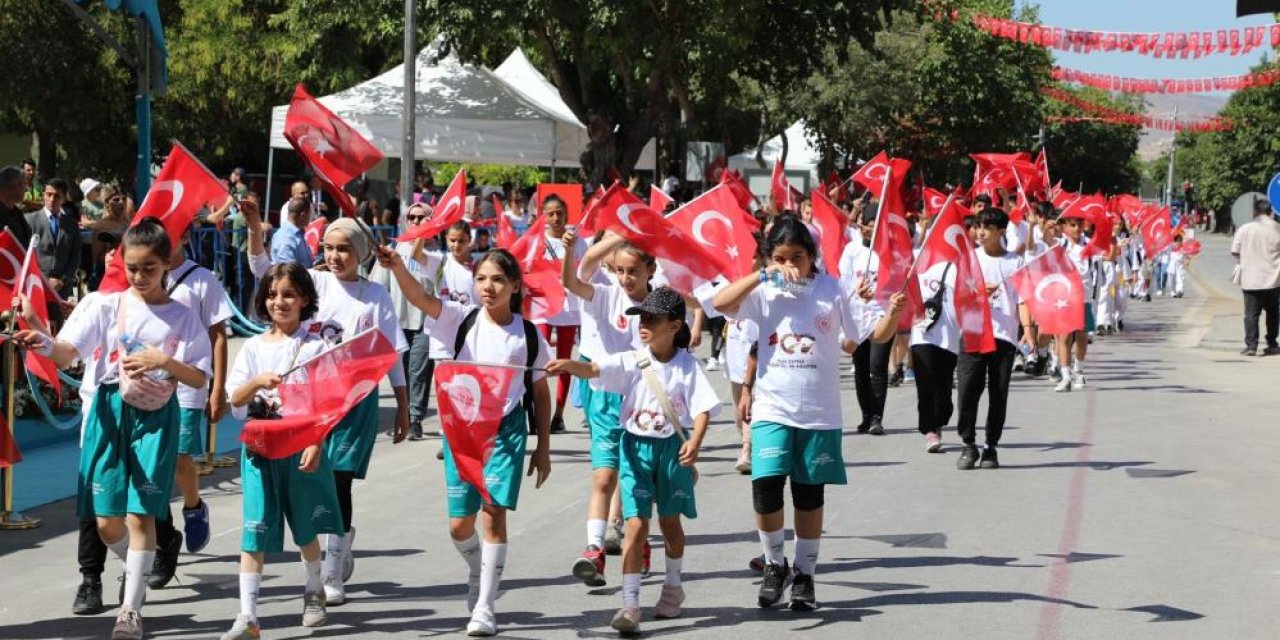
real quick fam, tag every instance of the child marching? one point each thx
(663, 390)
(298, 489)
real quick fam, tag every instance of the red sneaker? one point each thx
(590, 567)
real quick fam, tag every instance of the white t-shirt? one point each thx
(489, 342)
(200, 292)
(641, 414)
(568, 316)
(1004, 302)
(260, 355)
(89, 382)
(945, 333)
(737, 348)
(606, 328)
(358, 306)
(455, 282)
(1016, 236)
(1075, 251)
(798, 371)
(409, 314)
(170, 327)
(853, 263)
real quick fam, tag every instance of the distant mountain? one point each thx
(1192, 105)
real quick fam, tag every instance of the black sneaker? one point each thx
(557, 425)
(874, 426)
(895, 378)
(89, 597)
(989, 458)
(166, 562)
(773, 583)
(864, 426)
(1271, 351)
(1120, 325)
(1249, 351)
(802, 597)
(968, 457)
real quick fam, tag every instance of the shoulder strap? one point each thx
(180, 278)
(464, 328)
(531, 356)
(655, 387)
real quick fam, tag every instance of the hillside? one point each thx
(1192, 105)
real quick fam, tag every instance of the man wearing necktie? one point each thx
(57, 237)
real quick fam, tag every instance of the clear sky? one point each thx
(1152, 15)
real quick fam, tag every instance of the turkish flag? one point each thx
(984, 162)
(32, 284)
(1051, 288)
(12, 257)
(1042, 162)
(1029, 178)
(684, 261)
(335, 151)
(1157, 233)
(993, 181)
(831, 224)
(892, 245)
(545, 296)
(658, 199)
(471, 398)
(314, 234)
(447, 210)
(506, 235)
(746, 199)
(9, 453)
(183, 187)
(715, 221)
(933, 201)
(781, 190)
(587, 226)
(319, 392)
(948, 241)
(1191, 248)
(871, 176)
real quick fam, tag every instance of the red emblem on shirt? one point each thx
(773, 339)
(622, 322)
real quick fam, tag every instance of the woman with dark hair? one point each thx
(563, 325)
(805, 319)
(494, 332)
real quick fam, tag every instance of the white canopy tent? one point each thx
(803, 157)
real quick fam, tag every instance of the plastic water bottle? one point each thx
(131, 346)
(782, 284)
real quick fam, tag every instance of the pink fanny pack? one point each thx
(143, 391)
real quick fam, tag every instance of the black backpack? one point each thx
(933, 306)
(530, 347)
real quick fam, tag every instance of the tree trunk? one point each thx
(47, 154)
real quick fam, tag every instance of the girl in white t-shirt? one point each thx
(657, 456)
(298, 489)
(606, 330)
(129, 454)
(805, 318)
(498, 334)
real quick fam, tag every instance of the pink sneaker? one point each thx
(669, 602)
(932, 442)
(626, 621)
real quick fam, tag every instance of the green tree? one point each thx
(1094, 156)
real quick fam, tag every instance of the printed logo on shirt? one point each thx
(769, 453)
(793, 343)
(932, 284)
(171, 344)
(648, 419)
(330, 332)
(461, 297)
(622, 322)
(319, 512)
(824, 322)
(823, 459)
(97, 353)
(364, 323)
(773, 339)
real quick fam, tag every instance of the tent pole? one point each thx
(555, 151)
(271, 169)
(408, 143)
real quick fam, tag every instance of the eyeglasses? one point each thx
(416, 218)
(115, 199)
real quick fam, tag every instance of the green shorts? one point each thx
(503, 471)
(349, 446)
(127, 458)
(807, 456)
(191, 428)
(275, 492)
(1090, 324)
(602, 409)
(651, 473)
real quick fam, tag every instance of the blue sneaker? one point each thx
(196, 527)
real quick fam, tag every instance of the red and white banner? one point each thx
(335, 151)
(471, 397)
(1185, 44)
(1110, 115)
(1167, 85)
(319, 392)
(1051, 288)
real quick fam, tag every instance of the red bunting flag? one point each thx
(32, 284)
(715, 221)
(471, 398)
(183, 187)
(335, 151)
(315, 234)
(320, 392)
(658, 199)
(684, 261)
(448, 209)
(1051, 288)
(948, 241)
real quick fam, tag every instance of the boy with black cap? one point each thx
(979, 370)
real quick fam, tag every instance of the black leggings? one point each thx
(871, 377)
(343, 480)
(716, 327)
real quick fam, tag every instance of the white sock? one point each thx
(469, 549)
(631, 590)
(807, 555)
(119, 547)
(249, 584)
(1079, 366)
(673, 568)
(595, 533)
(1066, 373)
(137, 568)
(332, 563)
(314, 582)
(772, 542)
(493, 559)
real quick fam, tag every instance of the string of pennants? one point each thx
(1191, 44)
(1110, 115)
(1149, 85)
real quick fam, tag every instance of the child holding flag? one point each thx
(142, 345)
(496, 334)
(298, 488)
(665, 390)
(607, 330)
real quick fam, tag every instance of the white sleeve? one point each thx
(444, 327)
(702, 397)
(242, 371)
(855, 323)
(217, 307)
(544, 356)
(86, 328)
(752, 308)
(259, 263)
(618, 373)
(194, 348)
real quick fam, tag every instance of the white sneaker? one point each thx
(712, 364)
(335, 592)
(482, 623)
(1077, 379)
(348, 558)
(1064, 385)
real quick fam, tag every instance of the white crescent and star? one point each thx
(953, 236)
(8, 256)
(1049, 280)
(469, 386)
(175, 188)
(706, 217)
(624, 216)
(870, 171)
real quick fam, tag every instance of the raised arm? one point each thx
(412, 290)
(597, 253)
(569, 271)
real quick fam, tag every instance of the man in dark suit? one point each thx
(57, 236)
(11, 215)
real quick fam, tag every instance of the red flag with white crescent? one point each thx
(746, 199)
(319, 392)
(544, 295)
(831, 224)
(933, 201)
(1157, 231)
(715, 221)
(893, 247)
(506, 235)
(872, 174)
(31, 283)
(447, 210)
(471, 398)
(684, 261)
(658, 199)
(183, 187)
(315, 234)
(1051, 288)
(335, 151)
(948, 241)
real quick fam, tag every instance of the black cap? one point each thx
(663, 301)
